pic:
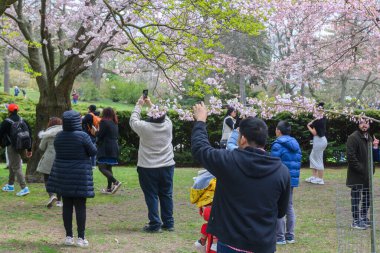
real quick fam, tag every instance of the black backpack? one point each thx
(19, 135)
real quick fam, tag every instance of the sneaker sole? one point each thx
(22, 195)
(318, 183)
(103, 191)
(359, 228)
(152, 231)
(82, 246)
(51, 203)
(116, 188)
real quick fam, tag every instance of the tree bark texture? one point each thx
(97, 72)
(242, 91)
(4, 4)
(53, 102)
(343, 89)
(6, 70)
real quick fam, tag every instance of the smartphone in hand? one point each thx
(145, 94)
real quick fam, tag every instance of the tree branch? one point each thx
(15, 48)
(44, 33)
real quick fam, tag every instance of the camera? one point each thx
(145, 94)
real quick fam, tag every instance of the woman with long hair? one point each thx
(108, 148)
(46, 163)
(317, 128)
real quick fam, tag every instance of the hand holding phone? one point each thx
(145, 94)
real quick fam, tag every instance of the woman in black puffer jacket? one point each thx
(71, 175)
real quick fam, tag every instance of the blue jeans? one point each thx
(157, 185)
(285, 228)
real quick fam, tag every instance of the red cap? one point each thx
(12, 107)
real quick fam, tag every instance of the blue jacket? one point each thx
(232, 142)
(71, 175)
(288, 150)
(252, 191)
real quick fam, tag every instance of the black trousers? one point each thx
(359, 194)
(46, 178)
(106, 170)
(80, 213)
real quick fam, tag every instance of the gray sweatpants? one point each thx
(285, 225)
(15, 167)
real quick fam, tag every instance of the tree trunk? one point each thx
(242, 92)
(366, 83)
(302, 91)
(6, 70)
(312, 91)
(4, 4)
(53, 102)
(97, 72)
(343, 90)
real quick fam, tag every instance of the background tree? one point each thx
(317, 43)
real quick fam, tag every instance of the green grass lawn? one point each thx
(114, 222)
(34, 96)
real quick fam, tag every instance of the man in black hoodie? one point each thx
(252, 188)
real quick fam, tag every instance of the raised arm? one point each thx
(311, 128)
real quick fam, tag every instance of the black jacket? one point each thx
(357, 158)
(5, 129)
(107, 140)
(252, 191)
(87, 123)
(71, 175)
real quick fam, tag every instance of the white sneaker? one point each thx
(59, 204)
(309, 179)
(82, 242)
(199, 247)
(69, 241)
(317, 181)
(51, 201)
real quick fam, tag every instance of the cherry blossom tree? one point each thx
(4, 4)
(62, 38)
(314, 41)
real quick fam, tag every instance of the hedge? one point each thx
(338, 130)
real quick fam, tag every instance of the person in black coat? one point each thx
(108, 148)
(87, 124)
(252, 188)
(71, 174)
(358, 174)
